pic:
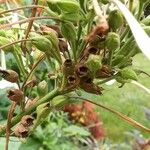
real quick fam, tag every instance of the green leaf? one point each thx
(30, 144)
(75, 130)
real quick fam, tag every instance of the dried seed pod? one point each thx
(63, 46)
(56, 28)
(68, 67)
(21, 131)
(27, 120)
(87, 85)
(10, 75)
(42, 88)
(82, 70)
(104, 72)
(15, 95)
(101, 29)
(71, 79)
(30, 102)
(115, 19)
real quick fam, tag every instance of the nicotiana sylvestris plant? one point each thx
(82, 45)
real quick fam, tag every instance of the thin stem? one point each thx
(20, 8)
(15, 42)
(23, 44)
(10, 115)
(27, 20)
(33, 68)
(106, 80)
(130, 5)
(122, 116)
(141, 86)
(21, 67)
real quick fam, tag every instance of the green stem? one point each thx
(140, 11)
(31, 109)
(20, 65)
(106, 80)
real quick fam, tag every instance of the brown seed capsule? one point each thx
(104, 72)
(100, 30)
(15, 95)
(10, 75)
(56, 28)
(82, 70)
(87, 85)
(63, 46)
(68, 67)
(27, 120)
(21, 131)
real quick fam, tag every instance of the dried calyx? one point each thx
(21, 131)
(27, 120)
(15, 95)
(9, 75)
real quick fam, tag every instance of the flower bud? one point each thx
(4, 41)
(94, 63)
(68, 31)
(42, 88)
(43, 110)
(66, 5)
(42, 43)
(115, 19)
(112, 41)
(59, 101)
(15, 95)
(128, 73)
(27, 120)
(10, 75)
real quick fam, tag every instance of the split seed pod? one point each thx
(10, 75)
(15, 95)
(27, 120)
(87, 85)
(104, 72)
(21, 131)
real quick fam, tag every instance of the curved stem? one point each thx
(27, 20)
(33, 68)
(15, 42)
(20, 8)
(122, 116)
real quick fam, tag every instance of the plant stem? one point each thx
(19, 8)
(20, 65)
(122, 116)
(27, 20)
(106, 80)
(31, 109)
(23, 44)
